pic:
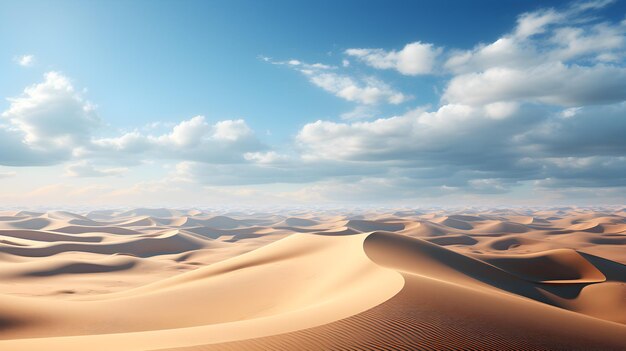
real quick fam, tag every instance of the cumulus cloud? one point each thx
(406, 137)
(414, 59)
(602, 42)
(504, 52)
(25, 60)
(551, 83)
(52, 113)
(52, 122)
(464, 148)
(46, 122)
(194, 139)
(232, 130)
(560, 57)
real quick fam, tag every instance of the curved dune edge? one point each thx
(429, 315)
(432, 314)
(357, 284)
(426, 297)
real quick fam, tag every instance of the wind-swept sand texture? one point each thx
(160, 279)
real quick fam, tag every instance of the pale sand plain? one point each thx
(159, 279)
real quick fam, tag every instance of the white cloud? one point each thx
(500, 110)
(266, 158)
(570, 112)
(532, 23)
(564, 38)
(131, 142)
(232, 130)
(187, 133)
(504, 52)
(25, 60)
(193, 139)
(551, 83)
(602, 42)
(87, 169)
(580, 6)
(51, 122)
(415, 58)
(52, 113)
(394, 138)
(46, 123)
(561, 57)
(368, 91)
(478, 149)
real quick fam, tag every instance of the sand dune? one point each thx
(157, 279)
(300, 222)
(172, 242)
(453, 240)
(28, 223)
(54, 267)
(48, 236)
(456, 223)
(369, 226)
(554, 266)
(500, 227)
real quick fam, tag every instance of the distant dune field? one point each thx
(159, 279)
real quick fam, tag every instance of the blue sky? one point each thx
(196, 103)
(202, 57)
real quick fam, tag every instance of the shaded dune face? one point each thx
(417, 280)
(554, 266)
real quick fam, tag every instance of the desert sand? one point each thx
(405, 279)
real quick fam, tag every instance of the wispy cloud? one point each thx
(25, 60)
(363, 90)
